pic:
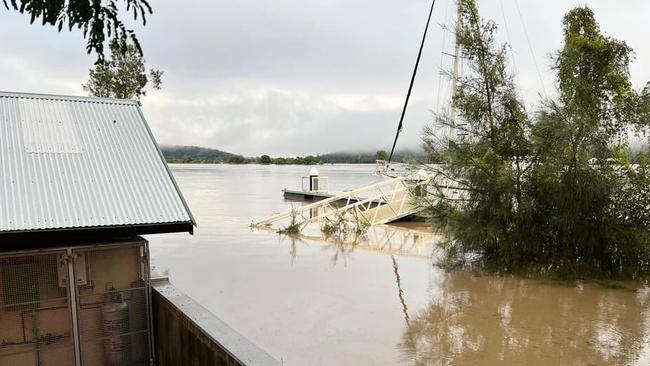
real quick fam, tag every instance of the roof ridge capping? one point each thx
(8, 94)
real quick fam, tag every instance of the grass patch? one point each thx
(294, 226)
(343, 225)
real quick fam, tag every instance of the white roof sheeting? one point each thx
(73, 162)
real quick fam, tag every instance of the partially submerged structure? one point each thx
(80, 180)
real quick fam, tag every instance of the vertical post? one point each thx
(146, 276)
(313, 179)
(74, 310)
(454, 85)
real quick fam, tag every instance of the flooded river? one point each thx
(310, 302)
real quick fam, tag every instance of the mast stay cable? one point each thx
(408, 94)
(530, 47)
(442, 54)
(510, 46)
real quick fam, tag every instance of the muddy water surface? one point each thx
(380, 302)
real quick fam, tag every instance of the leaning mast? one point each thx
(408, 94)
(454, 81)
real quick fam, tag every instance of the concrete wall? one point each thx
(187, 334)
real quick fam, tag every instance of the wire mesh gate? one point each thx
(102, 318)
(35, 323)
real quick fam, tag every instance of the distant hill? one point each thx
(194, 154)
(202, 155)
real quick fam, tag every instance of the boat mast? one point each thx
(408, 94)
(455, 77)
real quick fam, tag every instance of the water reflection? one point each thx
(404, 239)
(312, 301)
(496, 320)
(492, 320)
(400, 292)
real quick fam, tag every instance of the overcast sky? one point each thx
(291, 77)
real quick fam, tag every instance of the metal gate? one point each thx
(113, 305)
(35, 322)
(102, 319)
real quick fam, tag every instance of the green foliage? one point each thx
(265, 159)
(236, 159)
(200, 155)
(557, 190)
(123, 76)
(381, 155)
(294, 227)
(490, 162)
(342, 225)
(98, 20)
(328, 228)
(360, 227)
(290, 229)
(582, 181)
(307, 160)
(193, 154)
(368, 158)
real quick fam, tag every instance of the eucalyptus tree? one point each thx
(123, 75)
(590, 205)
(99, 20)
(556, 189)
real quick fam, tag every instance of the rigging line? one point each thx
(530, 47)
(442, 55)
(505, 23)
(415, 71)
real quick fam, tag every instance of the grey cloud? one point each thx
(299, 77)
(282, 123)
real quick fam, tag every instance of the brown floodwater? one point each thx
(380, 301)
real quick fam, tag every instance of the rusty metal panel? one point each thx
(35, 316)
(74, 162)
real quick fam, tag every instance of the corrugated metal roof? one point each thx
(74, 162)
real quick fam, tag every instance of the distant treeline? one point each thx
(201, 155)
(369, 158)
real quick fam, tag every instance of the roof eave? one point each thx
(167, 169)
(48, 238)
